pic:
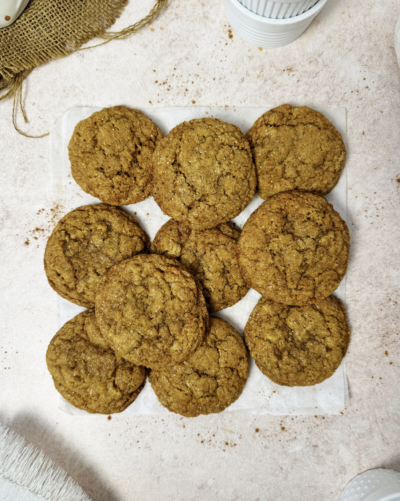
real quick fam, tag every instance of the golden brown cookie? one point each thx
(204, 173)
(111, 155)
(211, 380)
(85, 244)
(296, 148)
(87, 372)
(209, 255)
(298, 345)
(151, 311)
(294, 248)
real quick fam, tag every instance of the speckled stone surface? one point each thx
(346, 58)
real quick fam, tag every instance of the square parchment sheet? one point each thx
(260, 395)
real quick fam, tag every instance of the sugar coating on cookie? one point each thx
(204, 173)
(294, 248)
(296, 148)
(85, 244)
(111, 155)
(209, 255)
(298, 345)
(151, 311)
(211, 380)
(87, 372)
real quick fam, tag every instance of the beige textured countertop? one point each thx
(346, 58)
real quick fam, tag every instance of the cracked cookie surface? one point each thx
(85, 244)
(294, 248)
(296, 148)
(151, 311)
(209, 255)
(87, 372)
(211, 380)
(204, 173)
(298, 345)
(111, 155)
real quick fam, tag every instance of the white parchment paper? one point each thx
(260, 395)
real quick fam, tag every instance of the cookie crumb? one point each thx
(257, 430)
(387, 353)
(109, 418)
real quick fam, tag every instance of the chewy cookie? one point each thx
(211, 380)
(204, 173)
(294, 248)
(296, 148)
(87, 372)
(209, 255)
(111, 155)
(298, 345)
(151, 311)
(85, 244)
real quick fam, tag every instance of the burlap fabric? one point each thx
(50, 29)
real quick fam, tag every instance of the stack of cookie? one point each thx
(294, 248)
(149, 305)
(148, 310)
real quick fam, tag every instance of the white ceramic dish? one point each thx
(10, 10)
(264, 32)
(397, 40)
(373, 485)
(278, 9)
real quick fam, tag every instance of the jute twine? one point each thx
(49, 29)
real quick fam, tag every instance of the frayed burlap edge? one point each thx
(13, 82)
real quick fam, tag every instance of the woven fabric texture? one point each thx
(49, 29)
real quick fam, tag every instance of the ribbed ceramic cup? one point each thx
(278, 9)
(373, 485)
(268, 33)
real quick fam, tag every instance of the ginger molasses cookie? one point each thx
(151, 311)
(294, 248)
(298, 345)
(111, 155)
(296, 148)
(204, 173)
(211, 380)
(85, 244)
(87, 372)
(209, 255)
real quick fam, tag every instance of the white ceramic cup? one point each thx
(264, 32)
(373, 485)
(278, 9)
(10, 10)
